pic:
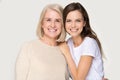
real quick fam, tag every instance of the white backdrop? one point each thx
(19, 19)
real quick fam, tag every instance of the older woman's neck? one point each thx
(49, 41)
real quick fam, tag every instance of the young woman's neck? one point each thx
(77, 41)
(49, 41)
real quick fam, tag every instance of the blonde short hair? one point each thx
(58, 9)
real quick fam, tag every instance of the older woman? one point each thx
(41, 59)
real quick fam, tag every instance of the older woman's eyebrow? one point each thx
(52, 18)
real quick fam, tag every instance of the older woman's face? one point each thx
(52, 24)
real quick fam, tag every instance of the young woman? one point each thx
(42, 59)
(85, 55)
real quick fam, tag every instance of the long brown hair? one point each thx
(87, 30)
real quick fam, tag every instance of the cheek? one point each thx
(80, 25)
(59, 26)
(43, 26)
(67, 26)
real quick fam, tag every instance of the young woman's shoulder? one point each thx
(90, 40)
(69, 41)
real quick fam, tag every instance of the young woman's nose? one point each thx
(73, 24)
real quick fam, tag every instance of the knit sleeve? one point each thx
(22, 63)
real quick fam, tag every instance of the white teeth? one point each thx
(73, 30)
(52, 30)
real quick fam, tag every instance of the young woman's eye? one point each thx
(78, 20)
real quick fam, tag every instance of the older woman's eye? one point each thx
(48, 19)
(58, 20)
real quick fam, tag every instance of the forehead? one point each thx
(52, 13)
(75, 13)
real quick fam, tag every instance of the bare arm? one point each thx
(81, 72)
(84, 67)
(71, 64)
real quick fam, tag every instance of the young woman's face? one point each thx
(52, 24)
(74, 23)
